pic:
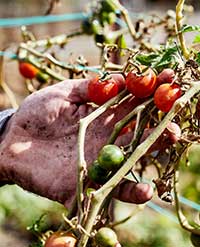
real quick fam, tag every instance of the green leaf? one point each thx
(167, 58)
(147, 59)
(196, 39)
(190, 28)
(198, 58)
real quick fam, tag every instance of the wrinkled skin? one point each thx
(38, 150)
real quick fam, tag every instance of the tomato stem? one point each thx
(179, 18)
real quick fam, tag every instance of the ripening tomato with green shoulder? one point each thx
(100, 91)
(165, 96)
(106, 237)
(141, 85)
(28, 70)
(61, 239)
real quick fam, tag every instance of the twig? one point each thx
(5, 87)
(181, 217)
(179, 17)
(82, 167)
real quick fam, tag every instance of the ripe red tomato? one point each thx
(141, 85)
(166, 76)
(28, 70)
(101, 91)
(165, 96)
(61, 239)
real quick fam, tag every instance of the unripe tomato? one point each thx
(101, 91)
(86, 26)
(195, 239)
(165, 96)
(98, 174)
(166, 76)
(106, 237)
(110, 157)
(141, 85)
(28, 70)
(42, 77)
(61, 239)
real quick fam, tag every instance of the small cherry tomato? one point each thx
(165, 96)
(195, 239)
(166, 76)
(141, 85)
(128, 128)
(28, 70)
(101, 91)
(61, 239)
(110, 157)
(86, 26)
(106, 237)
(98, 174)
(42, 77)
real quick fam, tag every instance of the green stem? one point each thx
(181, 217)
(179, 18)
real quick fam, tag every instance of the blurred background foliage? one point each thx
(19, 209)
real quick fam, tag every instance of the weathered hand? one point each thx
(38, 150)
(39, 147)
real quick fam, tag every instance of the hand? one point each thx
(39, 147)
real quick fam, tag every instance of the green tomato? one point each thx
(96, 27)
(195, 239)
(86, 26)
(110, 157)
(98, 174)
(108, 6)
(106, 237)
(42, 77)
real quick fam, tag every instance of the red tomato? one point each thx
(128, 128)
(120, 80)
(101, 91)
(28, 70)
(61, 239)
(166, 76)
(141, 85)
(165, 96)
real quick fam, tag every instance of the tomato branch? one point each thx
(99, 195)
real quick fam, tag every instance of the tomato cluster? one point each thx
(141, 85)
(29, 71)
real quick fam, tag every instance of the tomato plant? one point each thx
(141, 85)
(28, 70)
(106, 237)
(61, 239)
(165, 96)
(110, 157)
(101, 91)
